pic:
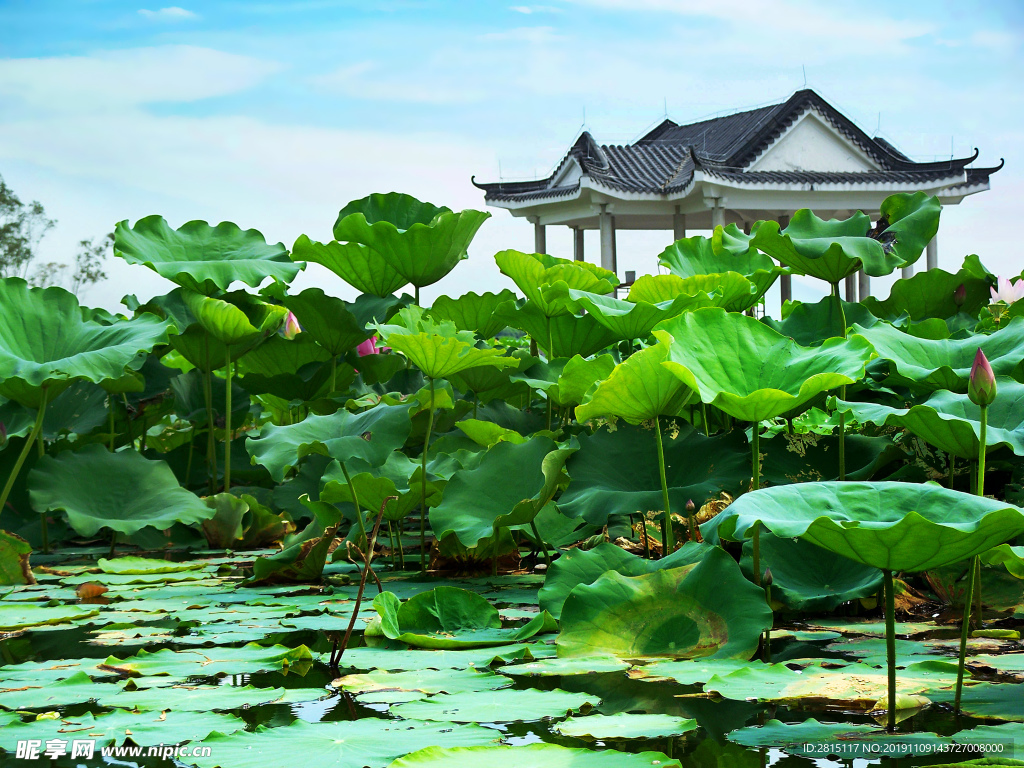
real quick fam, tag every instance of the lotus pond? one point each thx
(563, 528)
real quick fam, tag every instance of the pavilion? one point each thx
(758, 164)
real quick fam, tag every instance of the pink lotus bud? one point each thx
(690, 507)
(982, 386)
(291, 327)
(368, 347)
(960, 295)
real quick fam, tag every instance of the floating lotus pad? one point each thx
(201, 698)
(121, 565)
(691, 671)
(532, 756)
(503, 706)
(566, 666)
(425, 681)
(213, 662)
(15, 616)
(414, 659)
(899, 526)
(75, 689)
(625, 726)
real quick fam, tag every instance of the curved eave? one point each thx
(909, 185)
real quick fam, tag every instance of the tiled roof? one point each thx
(663, 161)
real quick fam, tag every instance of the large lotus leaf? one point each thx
(531, 272)
(15, 616)
(532, 756)
(930, 294)
(952, 422)
(585, 566)
(817, 740)
(752, 372)
(384, 658)
(1012, 558)
(359, 266)
(616, 472)
(570, 335)
(372, 491)
(729, 290)
(932, 364)
(139, 565)
(236, 318)
(479, 501)
(708, 609)
(808, 578)
(638, 389)
(567, 666)
(121, 491)
(370, 436)
(203, 258)
(421, 681)
(628, 320)
(14, 567)
(807, 457)
(625, 726)
(420, 241)
(810, 324)
(45, 342)
(292, 369)
(450, 617)
(578, 376)
(438, 349)
(327, 319)
(695, 256)
(899, 526)
(367, 741)
(473, 311)
(196, 698)
(502, 706)
(212, 662)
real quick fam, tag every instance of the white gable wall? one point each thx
(811, 144)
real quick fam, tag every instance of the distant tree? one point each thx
(22, 226)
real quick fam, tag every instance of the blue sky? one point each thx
(275, 114)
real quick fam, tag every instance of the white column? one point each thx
(785, 281)
(540, 239)
(851, 288)
(718, 214)
(907, 271)
(607, 225)
(932, 253)
(678, 225)
(863, 285)
(577, 243)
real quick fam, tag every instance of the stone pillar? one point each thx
(540, 239)
(607, 225)
(907, 271)
(851, 289)
(678, 225)
(717, 214)
(577, 243)
(932, 253)
(785, 281)
(863, 285)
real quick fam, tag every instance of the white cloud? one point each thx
(111, 79)
(171, 14)
(528, 9)
(529, 35)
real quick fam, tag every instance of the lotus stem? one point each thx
(768, 632)
(755, 553)
(113, 544)
(643, 534)
(355, 499)
(211, 446)
(755, 456)
(704, 418)
(110, 407)
(842, 392)
(423, 476)
(978, 621)
(964, 631)
(334, 371)
(191, 450)
(890, 645)
(227, 422)
(128, 420)
(549, 413)
(416, 294)
(541, 542)
(982, 449)
(551, 343)
(36, 428)
(391, 541)
(666, 532)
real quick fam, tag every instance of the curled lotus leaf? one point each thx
(236, 319)
(569, 335)
(203, 258)
(419, 241)
(628, 320)
(473, 311)
(123, 491)
(898, 526)
(327, 319)
(356, 264)
(532, 272)
(728, 290)
(751, 371)
(930, 294)
(44, 342)
(708, 609)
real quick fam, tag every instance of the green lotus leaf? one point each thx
(120, 491)
(415, 659)
(616, 472)
(502, 706)
(488, 434)
(930, 294)
(932, 364)
(15, 616)
(831, 250)
(120, 726)
(952, 422)
(203, 258)
(809, 578)
(14, 566)
(690, 671)
(202, 698)
(569, 335)
(236, 318)
(292, 369)
(326, 319)
(531, 272)
(628, 320)
(225, 529)
(808, 457)
(44, 342)
(372, 490)
(898, 526)
(577, 376)
(370, 436)
(137, 565)
(356, 264)
(422, 681)
(579, 566)
(420, 241)
(810, 324)
(625, 726)
(699, 256)
(708, 609)
(815, 739)
(76, 689)
(566, 666)
(1012, 558)
(358, 743)
(729, 290)
(752, 372)
(640, 388)
(450, 617)
(532, 756)
(212, 662)
(438, 349)
(473, 311)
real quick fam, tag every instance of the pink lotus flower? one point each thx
(369, 347)
(1008, 291)
(981, 388)
(960, 295)
(291, 327)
